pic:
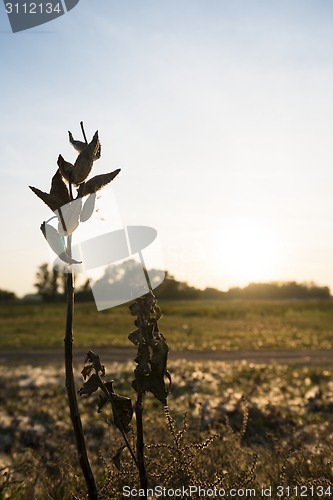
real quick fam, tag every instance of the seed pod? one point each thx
(84, 161)
(59, 188)
(51, 201)
(57, 243)
(66, 169)
(97, 182)
(88, 208)
(69, 217)
(78, 145)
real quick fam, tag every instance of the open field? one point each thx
(249, 424)
(272, 425)
(187, 325)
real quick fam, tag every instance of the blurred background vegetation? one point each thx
(50, 287)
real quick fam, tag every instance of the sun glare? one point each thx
(247, 253)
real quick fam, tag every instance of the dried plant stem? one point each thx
(71, 392)
(114, 409)
(145, 271)
(83, 133)
(140, 443)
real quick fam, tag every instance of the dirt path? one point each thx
(56, 356)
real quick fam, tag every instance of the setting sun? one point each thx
(248, 252)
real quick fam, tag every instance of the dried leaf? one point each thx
(87, 371)
(124, 411)
(97, 182)
(134, 309)
(109, 386)
(59, 188)
(123, 407)
(102, 398)
(88, 208)
(51, 201)
(96, 363)
(91, 385)
(102, 402)
(143, 368)
(66, 169)
(160, 356)
(141, 354)
(134, 336)
(155, 384)
(116, 457)
(152, 383)
(84, 161)
(150, 299)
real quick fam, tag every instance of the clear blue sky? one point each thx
(219, 113)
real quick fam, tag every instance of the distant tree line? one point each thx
(50, 286)
(274, 290)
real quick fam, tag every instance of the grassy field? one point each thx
(229, 325)
(247, 426)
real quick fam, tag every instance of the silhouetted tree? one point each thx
(48, 284)
(171, 289)
(84, 294)
(210, 293)
(5, 296)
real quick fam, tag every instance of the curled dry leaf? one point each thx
(134, 336)
(134, 309)
(91, 385)
(97, 182)
(121, 407)
(84, 161)
(88, 208)
(51, 201)
(116, 457)
(160, 355)
(124, 412)
(102, 397)
(152, 383)
(66, 169)
(94, 359)
(86, 371)
(59, 188)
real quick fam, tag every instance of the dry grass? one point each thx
(271, 425)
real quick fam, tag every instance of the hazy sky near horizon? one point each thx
(218, 112)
